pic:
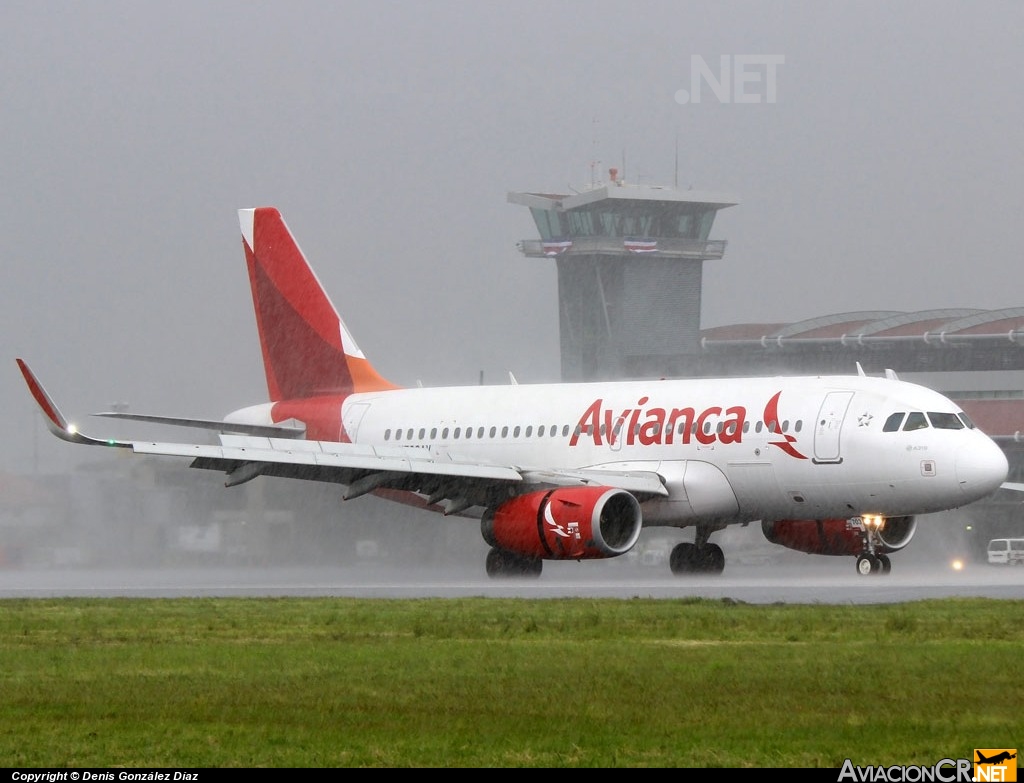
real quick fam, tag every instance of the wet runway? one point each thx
(821, 582)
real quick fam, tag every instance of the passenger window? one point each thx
(892, 424)
(494, 431)
(433, 433)
(423, 433)
(945, 421)
(504, 432)
(398, 434)
(387, 434)
(565, 430)
(798, 426)
(457, 433)
(529, 431)
(515, 432)
(915, 421)
(757, 427)
(540, 431)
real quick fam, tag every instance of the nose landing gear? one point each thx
(868, 563)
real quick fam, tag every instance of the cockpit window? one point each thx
(915, 421)
(892, 424)
(945, 421)
(966, 420)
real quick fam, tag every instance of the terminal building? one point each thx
(630, 263)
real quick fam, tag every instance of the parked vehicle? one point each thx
(1006, 551)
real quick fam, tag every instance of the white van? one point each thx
(1006, 551)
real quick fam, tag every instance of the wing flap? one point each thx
(636, 481)
(314, 454)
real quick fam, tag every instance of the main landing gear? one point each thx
(504, 564)
(687, 558)
(699, 557)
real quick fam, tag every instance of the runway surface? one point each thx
(815, 583)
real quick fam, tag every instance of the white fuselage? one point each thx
(727, 450)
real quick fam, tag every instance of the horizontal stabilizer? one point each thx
(256, 430)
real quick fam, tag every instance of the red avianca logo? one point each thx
(655, 426)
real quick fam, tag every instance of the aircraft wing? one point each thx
(436, 474)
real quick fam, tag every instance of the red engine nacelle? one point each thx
(841, 536)
(568, 523)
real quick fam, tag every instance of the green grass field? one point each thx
(482, 682)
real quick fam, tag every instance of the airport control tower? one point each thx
(630, 260)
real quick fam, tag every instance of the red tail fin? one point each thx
(307, 350)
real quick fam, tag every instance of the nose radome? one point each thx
(980, 468)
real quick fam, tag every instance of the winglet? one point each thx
(55, 420)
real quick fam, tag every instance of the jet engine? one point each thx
(842, 536)
(567, 523)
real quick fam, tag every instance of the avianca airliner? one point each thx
(827, 465)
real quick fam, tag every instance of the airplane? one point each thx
(996, 759)
(830, 465)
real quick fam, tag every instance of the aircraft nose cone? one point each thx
(980, 468)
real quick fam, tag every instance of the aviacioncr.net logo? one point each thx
(943, 771)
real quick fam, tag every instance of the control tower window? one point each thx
(581, 224)
(549, 224)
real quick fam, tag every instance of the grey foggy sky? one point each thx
(887, 175)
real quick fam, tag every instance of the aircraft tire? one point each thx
(683, 559)
(502, 564)
(713, 559)
(866, 564)
(884, 564)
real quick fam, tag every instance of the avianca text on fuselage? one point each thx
(657, 426)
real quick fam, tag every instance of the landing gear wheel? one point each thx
(502, 564)
(867, 564)
(683, 559)
(713, 560)
(687, 558)
(884, 564)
